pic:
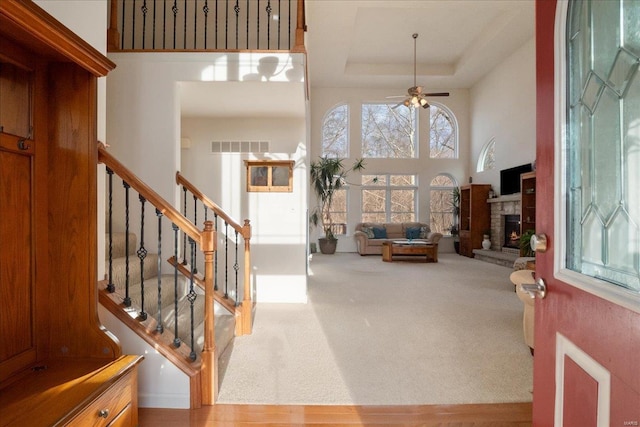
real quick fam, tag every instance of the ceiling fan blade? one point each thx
(436, 94)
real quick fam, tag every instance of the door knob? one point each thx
(538, 242)
(537, 289)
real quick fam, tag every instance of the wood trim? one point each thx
(148, 193)
(147, 331)
(27, 23)
(472, 415)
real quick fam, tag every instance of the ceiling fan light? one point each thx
(415, 101)
(424, 103)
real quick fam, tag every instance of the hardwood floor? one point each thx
(485, 415)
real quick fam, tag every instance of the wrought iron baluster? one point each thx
(258, 24)
(289, 30)
(215, 255)
(248, 13)
(226, 26)
(236, 9)
(153, 38)
(142, 254)
(124, 14)
(195, 27)
(164, 25)
(159, 326)
(176, 339)
(195, 221)
(111, 288)
(192, 298)
(174, 9)
(236, 267)
(268, 9)
(279, 21)
(205, 9)
(127, 298)
(184, 235)
(184, 30)
(133, 24)
(144, 11)
(226, 260)
(216, 26)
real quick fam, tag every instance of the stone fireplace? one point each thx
(505, 219)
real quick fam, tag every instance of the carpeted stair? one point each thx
(224, 320)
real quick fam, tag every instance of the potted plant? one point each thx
(456, 238)
(328, 175)
(455, 205)
(525, 243)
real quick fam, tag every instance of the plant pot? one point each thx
(328, 246)
(456, 246)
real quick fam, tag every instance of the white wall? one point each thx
(323, 99)
(278, 220)
(503, 106)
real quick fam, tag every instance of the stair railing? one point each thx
(243, 310)
(205, 238)
(207, 25)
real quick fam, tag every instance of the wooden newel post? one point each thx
(301, 27)
(246, 323)
(209, 356)
(113, 35)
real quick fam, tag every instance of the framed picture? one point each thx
(270, 175)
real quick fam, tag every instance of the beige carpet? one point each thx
(379, 333)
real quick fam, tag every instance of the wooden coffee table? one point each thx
(393, 248)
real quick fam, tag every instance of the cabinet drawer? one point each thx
(108, 406)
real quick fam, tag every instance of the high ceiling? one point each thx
(370, 44)
(362, 43)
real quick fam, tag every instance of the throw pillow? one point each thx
(412, 233)
(379, 233)
(424, 232)
(368, 231)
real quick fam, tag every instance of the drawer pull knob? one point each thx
(104, 413)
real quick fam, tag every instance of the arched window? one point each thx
(335, 132)
(389, 132)
(441, 203)
(487, 159)
(443, 133)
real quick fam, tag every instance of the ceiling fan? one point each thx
(415, 97)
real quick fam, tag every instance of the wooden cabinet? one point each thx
(475, 216)
(527, 202)
(48, 258)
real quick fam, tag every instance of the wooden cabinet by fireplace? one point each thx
(475, 217)
(48, 257)
(527, 202)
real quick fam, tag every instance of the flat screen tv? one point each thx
(510, 179)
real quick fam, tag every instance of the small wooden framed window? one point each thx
(270, 175)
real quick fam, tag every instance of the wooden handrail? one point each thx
(181, 180)
(149, 194)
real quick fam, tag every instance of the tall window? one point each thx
(487, 159)
(339, 211)
(335, 132)
(441, 203)
(443, 131)
(389, 198)
(388, 132)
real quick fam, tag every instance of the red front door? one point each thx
(587, 330)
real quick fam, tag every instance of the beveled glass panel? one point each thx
(605, 34)
(603, 141)
(606, 150)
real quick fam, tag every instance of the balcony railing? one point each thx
(206, 25)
